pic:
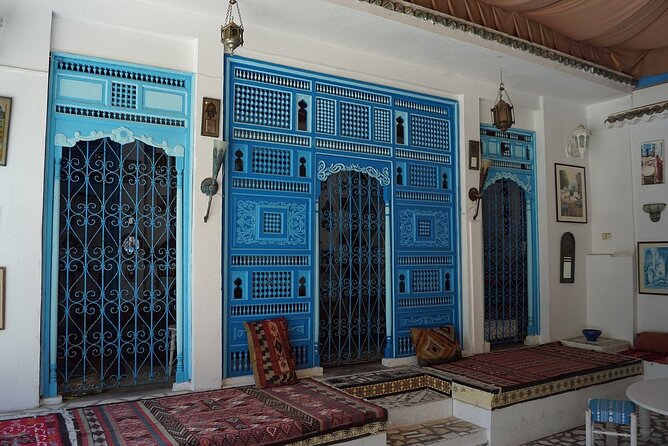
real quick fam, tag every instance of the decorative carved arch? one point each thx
(120, 135)
(325, 171)
(526, 185)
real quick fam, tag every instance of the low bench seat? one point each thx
(308, 412)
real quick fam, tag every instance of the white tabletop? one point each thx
(651, 394)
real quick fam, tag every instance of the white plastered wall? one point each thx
(138, 32)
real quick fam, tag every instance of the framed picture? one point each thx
(2, 297)
(5, 113)
(474, 155)
(651, 162)
(211, 117)
(652, 267)
(571, 193)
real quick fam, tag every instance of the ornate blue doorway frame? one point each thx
(281, 123)
(116, 236)
(510, 236)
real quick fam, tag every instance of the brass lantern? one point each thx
(503, 115)
(231, 34)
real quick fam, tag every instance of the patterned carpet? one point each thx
(47, 430)
(514, 369)
(293, 414)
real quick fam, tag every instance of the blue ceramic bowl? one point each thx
(591, 334)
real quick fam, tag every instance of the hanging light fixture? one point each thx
(503, 115)
(231, 34)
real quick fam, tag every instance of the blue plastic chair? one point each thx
(611, 411)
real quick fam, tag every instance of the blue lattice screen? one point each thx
(290, 132)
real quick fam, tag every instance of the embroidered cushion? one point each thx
(270, 353)
(652, 341)
(435, 345)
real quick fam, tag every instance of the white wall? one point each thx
(652, 310)
(139, 32)
(566, 302)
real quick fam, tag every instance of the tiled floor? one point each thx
(423, 434)
(659, 436)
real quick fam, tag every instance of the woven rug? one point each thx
(305, 413)
(513, 376)
(45, 430)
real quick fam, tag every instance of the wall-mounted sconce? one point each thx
(654, 210)
(503, 114)
(231, 34)
(209, 186)
(579, 142)
(476, 194)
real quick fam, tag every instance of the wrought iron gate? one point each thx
(505, 262)
(352, 269)
(117, 265)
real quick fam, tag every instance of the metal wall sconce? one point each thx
(654, 210)
(503, 114)
(579, 142)
(209, 186)
(476, 194)
(231, 34)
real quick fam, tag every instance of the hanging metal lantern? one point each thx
(503, 115)
(231, 34)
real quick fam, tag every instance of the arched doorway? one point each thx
(352, 269)
(505, 263)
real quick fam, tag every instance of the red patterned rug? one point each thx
(45, 430)
(513, 369)
(305, 413)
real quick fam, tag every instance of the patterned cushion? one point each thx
(611, 411)
(435, 345)
(270, 353)
(652, 341)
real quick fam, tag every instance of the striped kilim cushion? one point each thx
(435, 345)
(271, 354)
(611, 411)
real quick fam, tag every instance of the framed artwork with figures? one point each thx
(651, 162)
(652, 267)
(571, 193)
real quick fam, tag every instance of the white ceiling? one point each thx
(372, 29)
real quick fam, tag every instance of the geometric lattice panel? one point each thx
(324, 116)
(426, 281)
(272, 161)
(272, 223)
(354, 120)
(429, 132)
(423, 228)
(382, 129)
(260, 106)
(123, 95)
(272, 284)
(423, 176)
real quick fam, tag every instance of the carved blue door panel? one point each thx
(509, 237)
(298, 137)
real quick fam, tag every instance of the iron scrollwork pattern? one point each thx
(117, 265)
(325, 171)
(352, 268)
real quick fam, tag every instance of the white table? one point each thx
(649, 395)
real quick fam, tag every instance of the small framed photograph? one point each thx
(652, 267)
(2, 297)
(211, 117)
(651, 162)
(571, 193)
(474, 155)
(5, 114)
